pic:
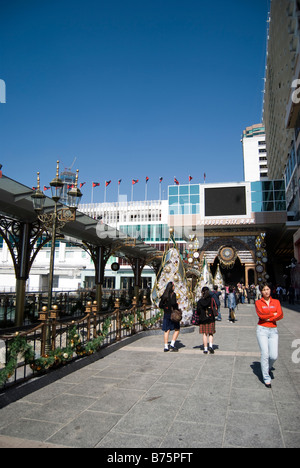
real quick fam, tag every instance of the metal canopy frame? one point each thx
(18, 217)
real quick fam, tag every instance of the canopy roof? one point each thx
(16, 203)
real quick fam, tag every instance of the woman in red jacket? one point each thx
(269, 312)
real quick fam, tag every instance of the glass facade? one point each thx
(184, 199)
(268, 195)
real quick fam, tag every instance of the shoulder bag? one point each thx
(176, 315)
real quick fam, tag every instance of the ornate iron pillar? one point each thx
(22, 273)
(21, 239)
(137, 265)
(100, 267)
(100, 255)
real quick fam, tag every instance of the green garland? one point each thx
(128, 320)
(150, 322)
(17, 346)
(59, 356)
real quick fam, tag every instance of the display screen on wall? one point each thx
(225, 201)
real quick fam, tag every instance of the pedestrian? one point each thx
(216, 295)
(167, 303)
(207, 320)
(269, 312)
(231, 305)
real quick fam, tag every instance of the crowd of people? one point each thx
(208, 311)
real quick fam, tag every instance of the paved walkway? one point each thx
(134, 395)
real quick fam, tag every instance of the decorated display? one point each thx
(172, 269)
(205, 279)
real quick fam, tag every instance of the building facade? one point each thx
(255, 153)
(281, 114)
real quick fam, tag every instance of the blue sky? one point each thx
(131, 88)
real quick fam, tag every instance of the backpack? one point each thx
(210, 313)
(214, 307)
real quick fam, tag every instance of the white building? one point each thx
(255, 153)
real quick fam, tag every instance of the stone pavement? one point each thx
(135, 395)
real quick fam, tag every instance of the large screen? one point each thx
(225, 201)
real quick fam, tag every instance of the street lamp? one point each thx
(54, 222)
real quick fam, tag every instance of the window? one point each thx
(182, 198)
(268, 196)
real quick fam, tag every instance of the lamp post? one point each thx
(54, 222)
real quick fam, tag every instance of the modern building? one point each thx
(255, 153)
(281, 114)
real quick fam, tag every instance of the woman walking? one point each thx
(167, 303)
(231, 301)
(207, 320)
(269, 312)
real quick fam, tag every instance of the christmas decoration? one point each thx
(227, 256)
(261, 258)
(218, 278)
(205, 279)
(172, 269)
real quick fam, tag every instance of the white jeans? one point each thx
(268, 342)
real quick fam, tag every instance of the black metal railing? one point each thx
(70, 303)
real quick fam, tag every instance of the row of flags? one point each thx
(108, 182)
(135, 181)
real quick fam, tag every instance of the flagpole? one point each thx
(105, 193)
(92, 197)
(160, 181)
(131, 191)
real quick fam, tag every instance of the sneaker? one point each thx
(211, 350)
(205, 351)
(166, 350)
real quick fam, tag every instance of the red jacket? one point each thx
(268, 314)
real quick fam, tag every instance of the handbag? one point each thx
(195, 318)
(176, 315)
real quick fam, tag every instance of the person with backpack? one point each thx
(206, 309)
(216, 295)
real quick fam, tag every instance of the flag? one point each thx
(47, 188)
(96, 184)
(107, 182)
(0, 171)
(204, 176)
(134, 181)
(147, 178)
(119, 181)
(160, 180)
(176, 181)
(82, 184)
(190, 178)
